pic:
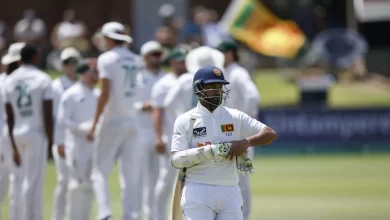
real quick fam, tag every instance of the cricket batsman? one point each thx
(151, 53)
(244, 96)
(69, 59)
(75, 111)
(10, 172)
(114, 125)
(163, 125)
(207, 141)
(28, 98)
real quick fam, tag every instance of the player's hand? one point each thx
(17, 159)
(160, 147)
(61, 151)
(147, 106)
(90, 135)
(238, 148)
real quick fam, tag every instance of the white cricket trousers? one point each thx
(117, 143)
(11, 174)
(62, 184)
(246, 188)
(150, 160)
(32, 148)
(211, 202)
(80, 191)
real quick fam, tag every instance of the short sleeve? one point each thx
(104, 67)
(249, 125)
(47, 90)
(158, 96)
(2, 95)
(179, 137)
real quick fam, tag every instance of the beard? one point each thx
(214, 100)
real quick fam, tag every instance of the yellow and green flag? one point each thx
(250, 22)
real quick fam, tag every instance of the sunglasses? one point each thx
(70, 61)
(155, 54)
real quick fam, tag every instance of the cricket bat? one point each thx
(177, 213)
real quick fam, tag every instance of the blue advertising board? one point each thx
(327, 127)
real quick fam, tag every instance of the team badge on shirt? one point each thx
(227, 128)
(199, 132)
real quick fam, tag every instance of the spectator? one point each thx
(70, 33)
(167, 38)
(212, 33)
(30, 29)
(193, 29)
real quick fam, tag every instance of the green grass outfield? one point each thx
(336, 187)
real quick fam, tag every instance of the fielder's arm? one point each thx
(102, 102)
(11, 123)
(158, 114)
(157, 99)
(48, 120)
(47, 107)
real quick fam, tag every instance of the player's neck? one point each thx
(29, 64)
(227, 64)
(177, 73)
(71, 77)
(86, 84)
(153, 69)
(208, 106)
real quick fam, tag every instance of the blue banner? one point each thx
(328, 125)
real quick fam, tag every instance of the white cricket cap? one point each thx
(13, 53)
(70, 52)
(149, 47)
(116, 31)
(203, 56)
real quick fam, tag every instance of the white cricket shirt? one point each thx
(181, 97)
(25, 89)
(243, 94)
(77, 105)
(121, 67)
(59, 86)
(159, 92)
(146, 81)
(224, 124)
(3, 116)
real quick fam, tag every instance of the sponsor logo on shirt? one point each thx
(227, 128)
(199, 132)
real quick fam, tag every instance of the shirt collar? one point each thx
(85, 87)
(204, 111)
(29, 66)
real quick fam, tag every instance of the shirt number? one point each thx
(130, 79)
(24, 100)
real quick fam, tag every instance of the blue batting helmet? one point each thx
(210, 75)
(207, 75)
